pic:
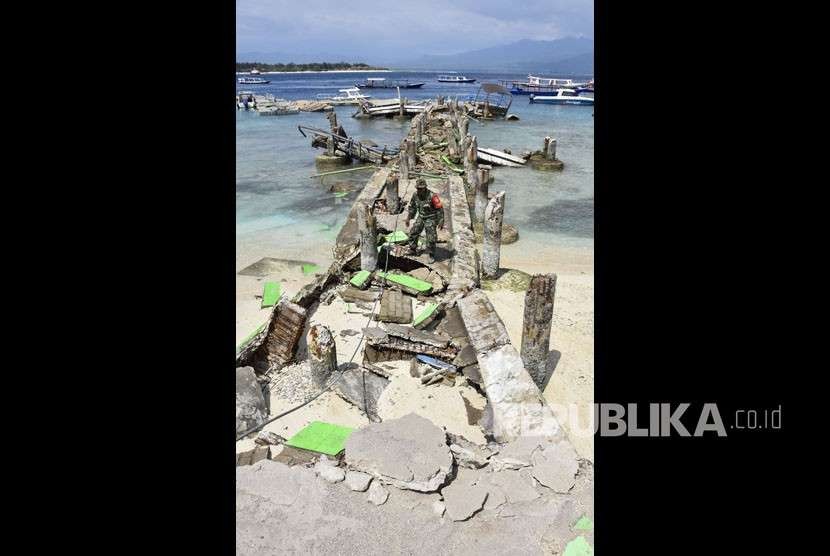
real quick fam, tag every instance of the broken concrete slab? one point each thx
(409, 453)
(251, 407)
(358, 481)
(516, 485)
(556, 466)
(484, 327)
(350, 294)
(415, 335)
(517, 405)
(518, 453)
(463, 501)
(278, 482)
(269, 265)
(467, 454)
(377, 494)
(439, 508)
(466, 357)
(361, 388)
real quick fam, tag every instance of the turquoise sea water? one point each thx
(282, 212)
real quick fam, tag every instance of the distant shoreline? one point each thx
(318, 71)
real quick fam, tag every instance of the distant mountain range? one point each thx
(567, 56)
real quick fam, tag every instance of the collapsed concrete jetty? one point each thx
(422, 329)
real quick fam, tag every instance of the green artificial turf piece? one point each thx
(360, 278)
(579, 547)
(408, 281)
(584, 523)
(309, 268)
(397, 237)
(324, 438)
(428, 310)
(271, 294)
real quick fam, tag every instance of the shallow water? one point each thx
(282, 212)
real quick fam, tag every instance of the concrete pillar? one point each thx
(368, 238)
(410, 153)
(393, 200)
(484, 174)
(403, 162)
(549, 149)
(322, 354)
(493, 217)
(538, 315)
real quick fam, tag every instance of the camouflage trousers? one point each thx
(424, 224)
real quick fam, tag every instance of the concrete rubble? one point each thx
(329, 471)
(251, 407)
(358, 481)
(409, 453)
(377, 494)
(462, 501)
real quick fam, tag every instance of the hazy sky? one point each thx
(395, 28)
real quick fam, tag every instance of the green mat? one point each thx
(250, 337)
(407, 281)
(423, 315)
(452, 166)
(584, 523)
(579, 547)
(309, 268)
(340, 194)
(359, 279)
(324, 438)
(271, 294)
(397, 237)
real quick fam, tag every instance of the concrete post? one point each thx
(549, 149)
(410, 153)
(322, 354)
(393, 200)
(493, 216)
(538, 315)
(368, 238)
(403, 162)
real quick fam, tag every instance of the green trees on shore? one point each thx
(315, 66)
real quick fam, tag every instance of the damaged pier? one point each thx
(440, 401)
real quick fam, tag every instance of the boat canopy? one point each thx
(533, 80)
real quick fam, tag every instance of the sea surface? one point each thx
(283, 212)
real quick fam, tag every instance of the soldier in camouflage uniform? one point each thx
(430, 211)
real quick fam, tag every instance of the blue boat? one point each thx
(563, 96)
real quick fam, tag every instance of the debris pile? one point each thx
(416, 348)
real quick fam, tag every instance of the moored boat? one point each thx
(383, 83)
(455, 79)
(537, 85)
(563, 96)
(253, 81)
(349, 96)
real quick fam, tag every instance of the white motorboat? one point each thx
(563, 96)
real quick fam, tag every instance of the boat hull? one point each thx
(563, 100)
(407, 86)
(456, 80)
